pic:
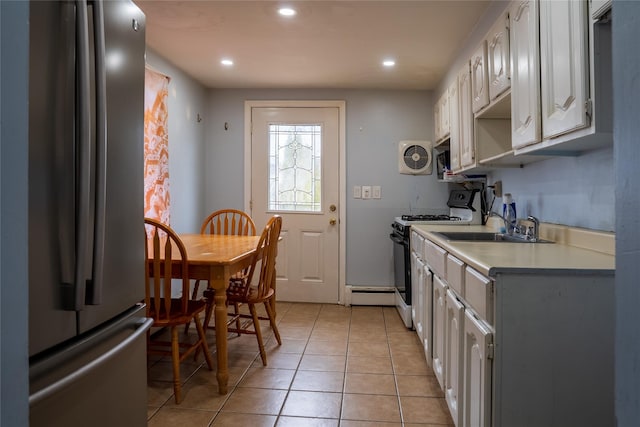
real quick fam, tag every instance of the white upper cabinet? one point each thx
(525, 74)
(465, 118)
(498, 64)
(454, 125)
(479, 80)
(564, 72)
(441, 117)
(436, 120)
(444, 115)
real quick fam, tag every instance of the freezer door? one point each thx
(100, 381)
(121, 275)
(51, 173)
(86, 254)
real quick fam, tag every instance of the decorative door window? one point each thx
(295, 167)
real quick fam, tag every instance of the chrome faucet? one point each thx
(535, 230)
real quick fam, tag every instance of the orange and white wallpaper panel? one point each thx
(156, 147)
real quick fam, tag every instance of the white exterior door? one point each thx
(453, 351)
(563, 56)
(525, 74)
(295, 174)
(477, 373)
(439, 303)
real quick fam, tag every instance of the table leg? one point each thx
(221, 341)
(218, 281)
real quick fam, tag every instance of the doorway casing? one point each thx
(341, 106)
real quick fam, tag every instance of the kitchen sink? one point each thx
(483, 236)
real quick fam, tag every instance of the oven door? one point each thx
(402, 277)
(402, 267)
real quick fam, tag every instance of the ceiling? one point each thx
(327, 44)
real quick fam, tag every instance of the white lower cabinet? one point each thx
(478, 352)
(422, 295)
(439, 330)
(521, 348)
(454, 315)
(427, 339)
(417, 295)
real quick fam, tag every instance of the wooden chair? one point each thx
(229, 222)
(226, 222)
(256, 287)
(168, 312)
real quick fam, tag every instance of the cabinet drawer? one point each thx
(455, 274)
(478, 294)
(436, 258)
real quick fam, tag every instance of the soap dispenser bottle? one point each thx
(509, 212)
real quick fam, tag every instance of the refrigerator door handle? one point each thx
(83, 142)
(55, 387)
(94, 290)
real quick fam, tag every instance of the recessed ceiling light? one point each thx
(286, 11)
(388, 62)
(227, 62)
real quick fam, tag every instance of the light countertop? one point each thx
(493, 258)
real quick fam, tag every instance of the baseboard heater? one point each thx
(370, 295)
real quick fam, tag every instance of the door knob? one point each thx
(332, 208)
(332, 221)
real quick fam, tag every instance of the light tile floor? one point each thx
(337, 366)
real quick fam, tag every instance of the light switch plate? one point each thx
(366, 191)
(357, 192)
(376, 192)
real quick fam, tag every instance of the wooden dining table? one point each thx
(216, 258)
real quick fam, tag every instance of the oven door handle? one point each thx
(397, 239)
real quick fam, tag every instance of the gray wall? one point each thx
(186, 101)
(375, 122)
(626, 89)
(14, 66)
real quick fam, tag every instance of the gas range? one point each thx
(464, 209)
(431, 219)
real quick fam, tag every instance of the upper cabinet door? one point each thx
(465, 118)
(436, 120)
(525, 74)
(444, 114)
(563, 53)
(479, 81)
(454, 126)
(498, 57)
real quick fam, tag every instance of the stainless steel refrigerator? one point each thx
(87, 327)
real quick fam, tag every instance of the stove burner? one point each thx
(442, 217)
